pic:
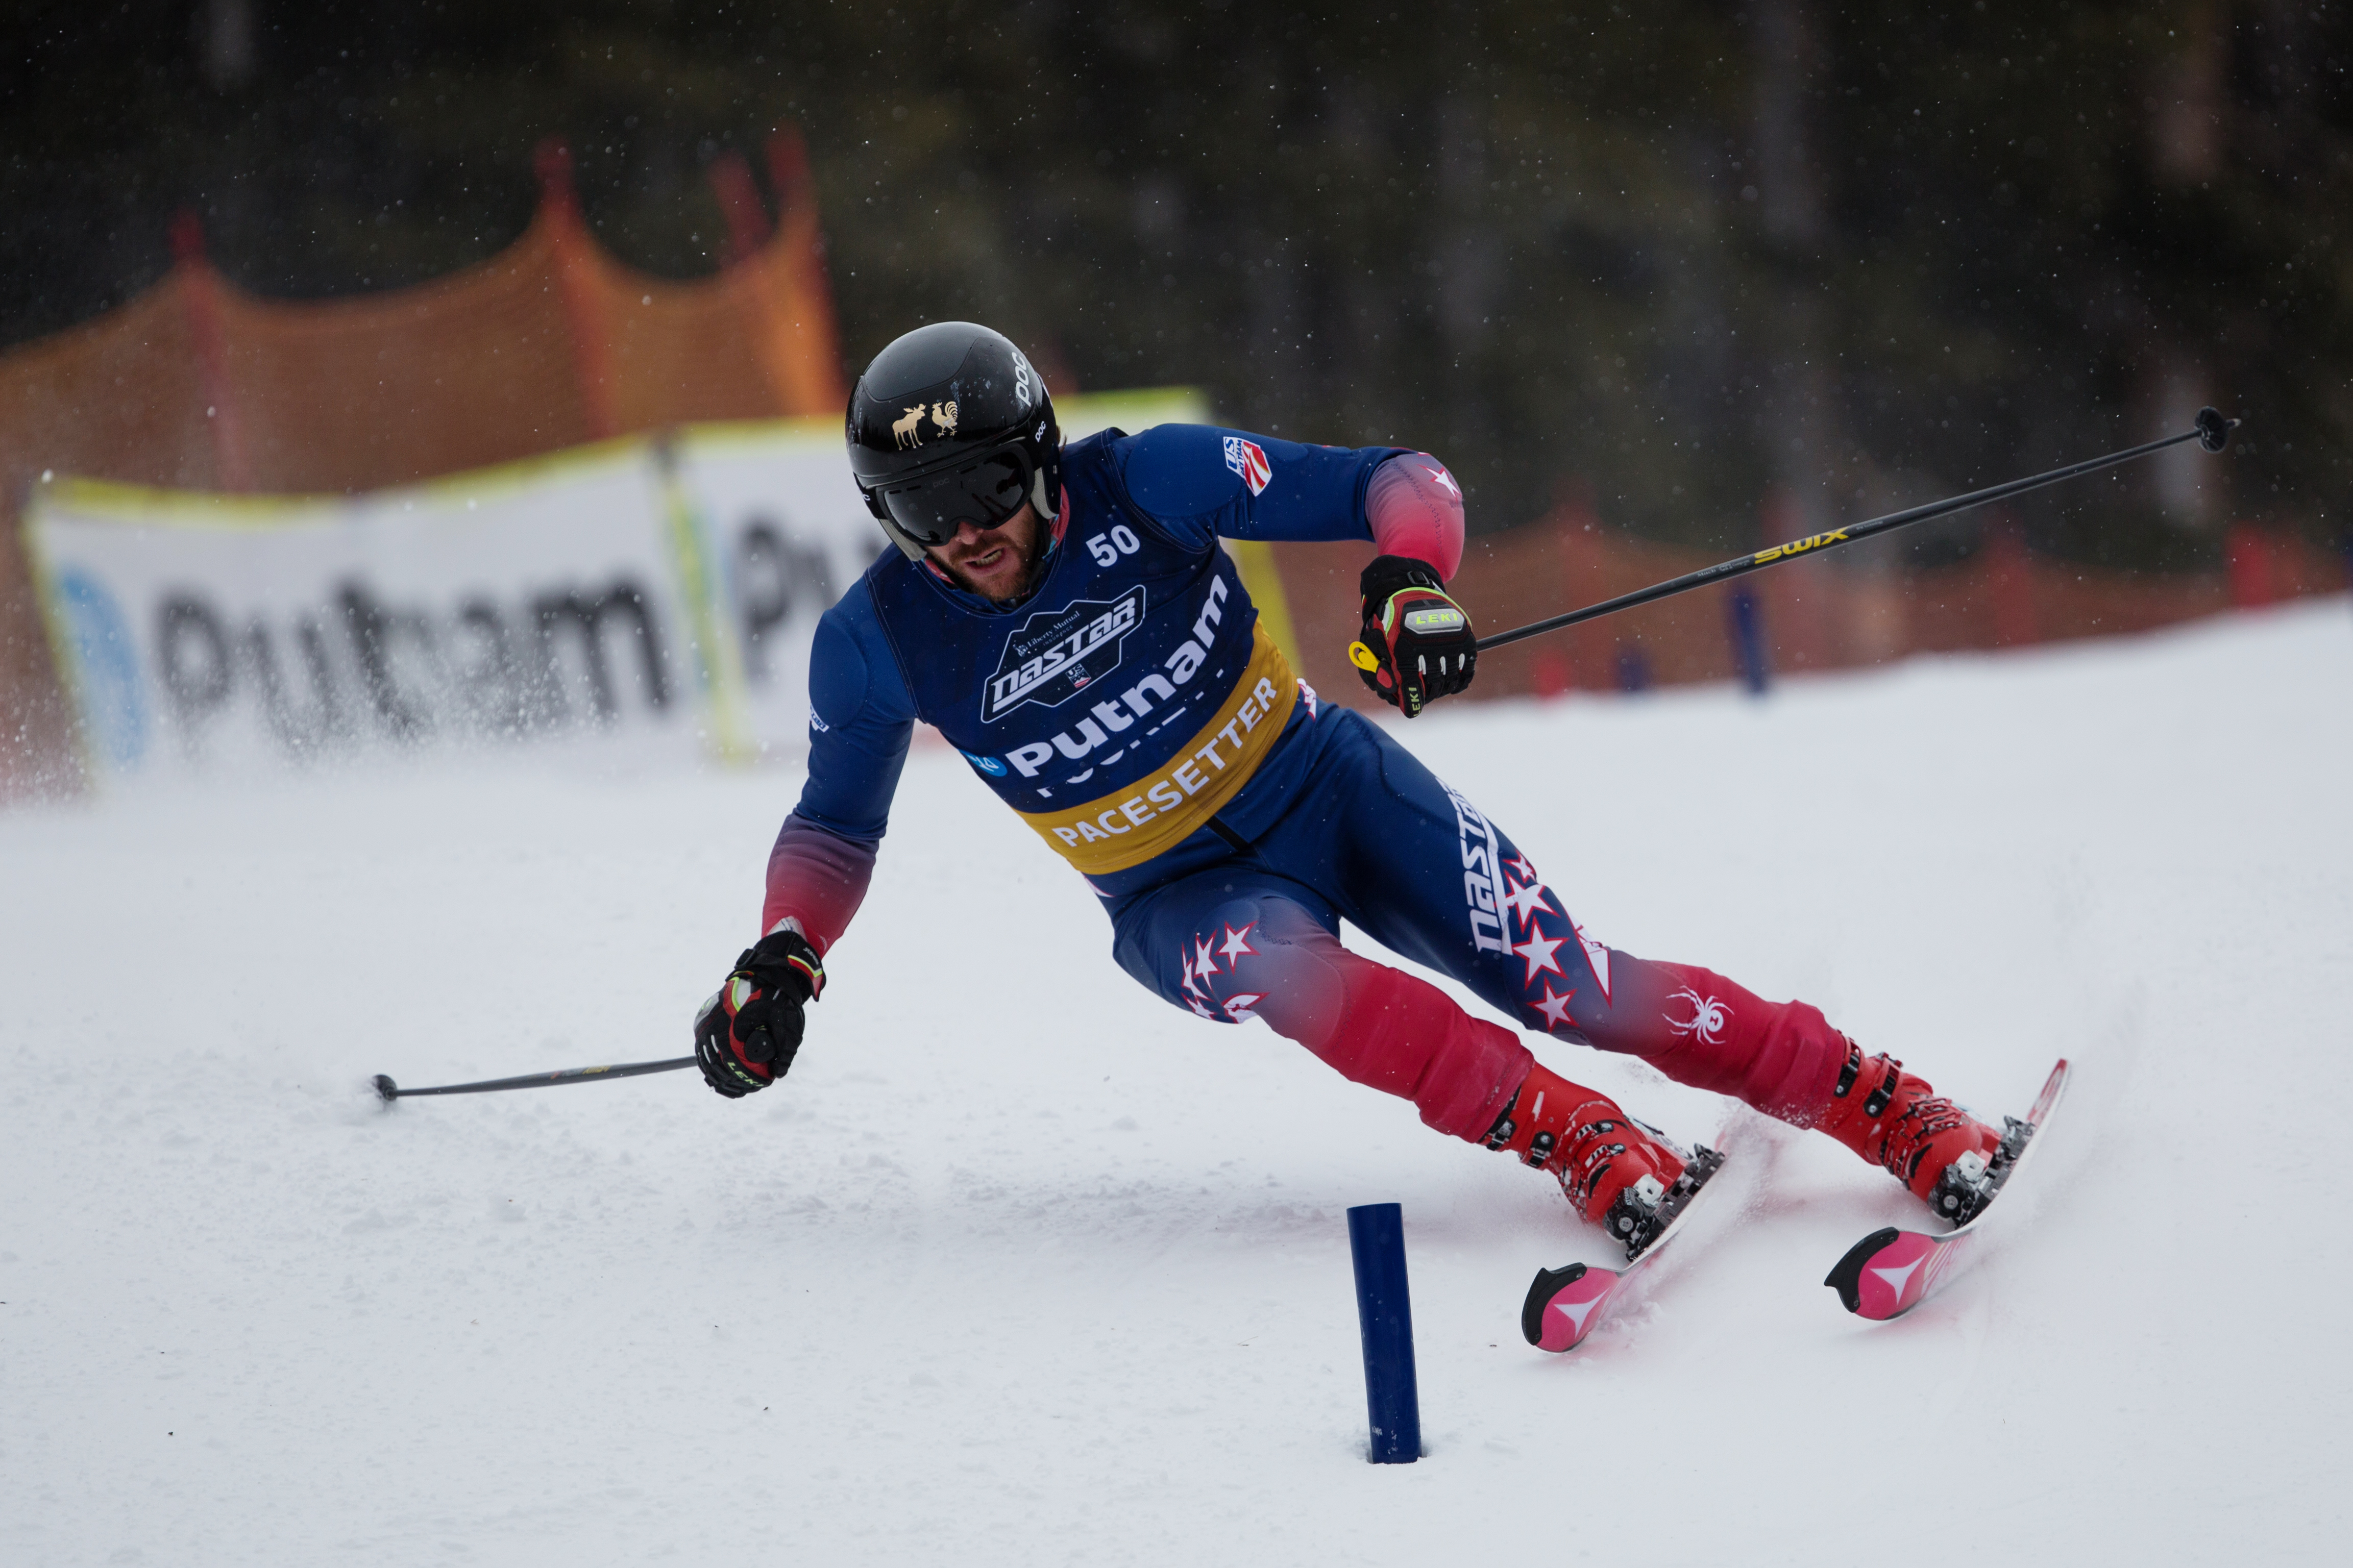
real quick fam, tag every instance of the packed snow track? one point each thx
(1021, 1266)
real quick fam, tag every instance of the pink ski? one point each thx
(1891, 1271)
(1566, 1305)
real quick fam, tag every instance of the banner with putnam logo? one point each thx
(203, 631)
(648, 592)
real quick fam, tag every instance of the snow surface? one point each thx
(1022, 1266)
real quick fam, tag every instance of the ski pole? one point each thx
(2212, 431)
(388, 1091)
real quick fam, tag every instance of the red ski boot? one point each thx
(1617, 1173)
(1925, 1141)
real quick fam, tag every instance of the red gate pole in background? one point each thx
(200, 301)
(817, 387)
(575, 276)
(761, 283)
(1808, 620)
(2247, 555)
(740, 205)
(2010, 582)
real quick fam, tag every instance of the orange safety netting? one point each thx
(196, 384)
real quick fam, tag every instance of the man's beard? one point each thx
(1032, 561)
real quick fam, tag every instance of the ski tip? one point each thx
(1549, 1282)
(1846, 1276)
(2048, 1101)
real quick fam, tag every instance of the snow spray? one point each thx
(1392, 1400)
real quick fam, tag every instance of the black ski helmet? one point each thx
(950, 424)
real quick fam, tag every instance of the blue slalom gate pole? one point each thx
(1747, 626)
(1377, 1242)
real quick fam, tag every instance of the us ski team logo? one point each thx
(1245, 459)
(1056, 652)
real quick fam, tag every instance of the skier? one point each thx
(1066, 618)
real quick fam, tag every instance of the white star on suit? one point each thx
(1537, 953)
(1526, 901)
(1205, 963)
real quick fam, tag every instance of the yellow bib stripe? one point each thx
(1112, 832)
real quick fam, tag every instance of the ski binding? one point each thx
(1891, 1271)
(1566, 1305)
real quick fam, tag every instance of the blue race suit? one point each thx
(1134, 714)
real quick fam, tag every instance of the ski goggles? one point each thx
(930, 508)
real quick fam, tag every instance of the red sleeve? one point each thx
(1415, 508)
(818, 878)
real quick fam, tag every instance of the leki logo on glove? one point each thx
(1057, 652)
(1245, 459)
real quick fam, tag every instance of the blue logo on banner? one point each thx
(113, 698)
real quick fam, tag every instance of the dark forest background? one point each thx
(1674, 255)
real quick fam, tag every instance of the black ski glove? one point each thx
(747, 1035)
(1418, 645)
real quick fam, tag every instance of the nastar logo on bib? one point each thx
(1057, 652)
(1247, 459)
